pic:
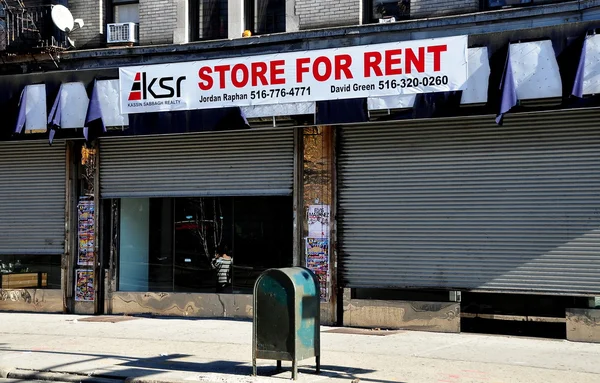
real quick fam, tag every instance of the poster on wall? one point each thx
(84, 285)
(317, 245)
(318, 221)
(317, 260)
(85, 232)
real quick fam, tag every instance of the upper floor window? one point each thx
(208, 19)
(381, 11)
(270, 16)
(126, 11)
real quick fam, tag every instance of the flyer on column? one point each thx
(317, 245)
(318, 221)
(317, 260)
(84, 285)
(85, 232)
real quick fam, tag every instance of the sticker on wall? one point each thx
(317, 260)
(85, 232)
(84, 285)
(318, 221)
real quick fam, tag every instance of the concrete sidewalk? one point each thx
(219, 351)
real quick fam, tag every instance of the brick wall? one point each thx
(331, 13)
(92, 12)
(158, 21)
(434, 8)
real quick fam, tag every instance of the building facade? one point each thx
(477, 202)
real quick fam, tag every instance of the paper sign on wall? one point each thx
(84, 285)
(318, 221)
(85, 232)
(317, 260)
(317, 246)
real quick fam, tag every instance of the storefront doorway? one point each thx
(171, 244)
(177, 203)
(465, 204)
(32, 214)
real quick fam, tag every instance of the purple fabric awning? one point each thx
(508, 90)
(22, 112)
(55, 116)
(94, 113)
(578, 83)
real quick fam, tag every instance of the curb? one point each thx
(150, 380)
(4, 372)
(50, 376)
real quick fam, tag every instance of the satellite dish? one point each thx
(71, 42)
(62, 18)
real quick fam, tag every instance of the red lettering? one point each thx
(372, 62)
(437, 56)
(391, 60)
(259, 71)
(206, 80)
(222, 69)
(234, 75)
(300, 68)
(412, 61)
(276, 69)
(342, 64)
(317, 65)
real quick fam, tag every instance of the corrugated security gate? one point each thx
(465, 204)
(240, 163)
(32, 197)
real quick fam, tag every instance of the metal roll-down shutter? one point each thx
(463, 203)
(32, 198)
(240, 163)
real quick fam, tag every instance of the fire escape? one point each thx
(26, 29)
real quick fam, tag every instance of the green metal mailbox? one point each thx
(286, 317)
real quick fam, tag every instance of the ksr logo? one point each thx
(141, 87)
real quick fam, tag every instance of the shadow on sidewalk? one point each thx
(132, 367)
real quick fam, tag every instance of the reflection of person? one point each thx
(223, 264)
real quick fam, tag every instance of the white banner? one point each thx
(407, 67)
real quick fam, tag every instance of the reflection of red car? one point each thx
(191, 225)
(186, 226)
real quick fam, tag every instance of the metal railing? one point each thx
(29, 29)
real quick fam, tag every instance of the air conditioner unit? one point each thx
(122, 33)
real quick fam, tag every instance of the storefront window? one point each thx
(29, 271)
(205, 244)
(135, 241)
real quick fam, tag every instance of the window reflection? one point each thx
(202, 244)
(29, 271)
